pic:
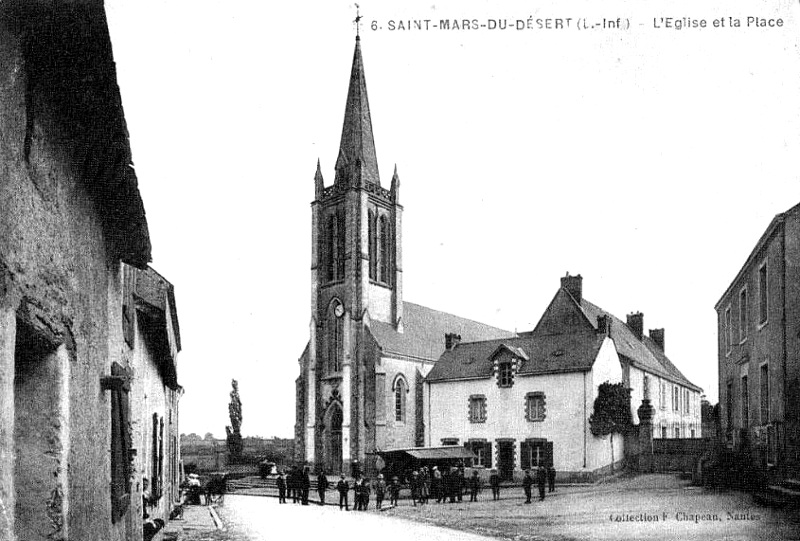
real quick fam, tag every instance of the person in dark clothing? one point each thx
(461, 483)
(436, 484)
(551, 479)
(305, 485)
(365, 490)
(343, 487)
(541, 479)
(452, 485)
(281, 482)
(527, 483)
(291, 484)
(380, 490)
(357, 495)
(322, 486)
(474, 486)
(494, 482)
(415, 486)
(394, 491)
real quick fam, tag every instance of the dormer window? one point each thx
(505, 373)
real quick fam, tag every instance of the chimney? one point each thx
(451, 340)
(636, 323)
(573, 285)
(604, 325)
(657, 336)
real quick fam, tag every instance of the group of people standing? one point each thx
(447, 485)
(544, 476)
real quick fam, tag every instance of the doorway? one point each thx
(333, 440)
(505, 459)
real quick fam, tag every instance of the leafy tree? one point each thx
(234, 431)
(612, 412)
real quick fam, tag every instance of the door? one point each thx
(505, 460)
(333, 443)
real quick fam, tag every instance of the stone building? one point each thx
(521, 401)
(759, 352)
(152, 341)
(70, 217)
(360, 384)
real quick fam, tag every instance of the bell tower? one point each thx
(356, 278)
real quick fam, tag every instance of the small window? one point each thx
(728, 331)
(677, 432)
(691, 431)
(686, 401)
(482, 451)
(763, 294)
(675, 398)
(663, 396)
(535, 407)
(505, 374)
(663, 432)
(477, 409)
(449, 441)
(745, 404)
(764, 384)
(743, 315)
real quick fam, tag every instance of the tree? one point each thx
(612, 412)
(234, 431)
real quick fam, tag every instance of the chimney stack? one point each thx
(657, 336)
(573, 285)
(451, 340)
(604, 325)
(636, 323)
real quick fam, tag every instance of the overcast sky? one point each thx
(648, 160)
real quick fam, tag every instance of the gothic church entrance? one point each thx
(333, 440)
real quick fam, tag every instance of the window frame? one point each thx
(505, 373)
(745, 392)
(744, 314)
(763, 292)
(538, 414)
(476, 411)
(728, 330)
(764, 401)
(400, 403)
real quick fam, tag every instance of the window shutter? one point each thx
(487, 447)
(120, 446)
(525, 459)
(548, 449)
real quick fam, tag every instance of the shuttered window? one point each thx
(120, 442)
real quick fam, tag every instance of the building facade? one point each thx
(759, 352)
(360, 384)
(71, 218)
(526, 400)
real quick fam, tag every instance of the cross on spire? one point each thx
(357, 21)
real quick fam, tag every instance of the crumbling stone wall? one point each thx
(69, 211)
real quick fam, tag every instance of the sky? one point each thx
(649, 159)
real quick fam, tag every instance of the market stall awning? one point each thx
(448, 452)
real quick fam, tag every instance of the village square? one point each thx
(134, 409)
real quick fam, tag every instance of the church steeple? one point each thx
(357, 163)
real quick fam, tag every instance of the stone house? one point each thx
(70, 217)
(759, 352)
(517, 402)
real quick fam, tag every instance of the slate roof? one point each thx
(424, 330)
(550, 354)
(644, 353)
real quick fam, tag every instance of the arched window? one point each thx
(340, 238)
(330, 239)
(384, 255)
(400, 390)
(373, 246)
(335, 339)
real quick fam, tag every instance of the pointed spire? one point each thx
(395, 189)
(319, 183)
(357, 162)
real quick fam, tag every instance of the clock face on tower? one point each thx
(339, 310)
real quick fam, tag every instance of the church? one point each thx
(380, 374)
(361, 373)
